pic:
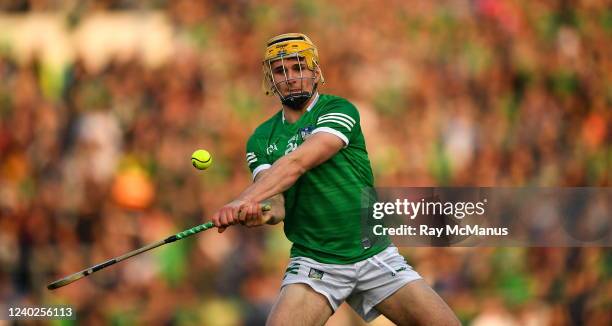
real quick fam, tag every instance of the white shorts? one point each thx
(363, 284)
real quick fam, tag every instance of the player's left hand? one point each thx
(237, 211)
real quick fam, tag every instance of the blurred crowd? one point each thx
(95, 152)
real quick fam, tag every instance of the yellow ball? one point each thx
(201, 159)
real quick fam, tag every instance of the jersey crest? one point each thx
(305, 132)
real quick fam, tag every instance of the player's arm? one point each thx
(274, 216)
(334, 129)
(317, 149)
(281, 175)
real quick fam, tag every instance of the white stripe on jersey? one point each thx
(333, 132)
(336, 119)
(251, 158)
(332, 119)
(260, 168)
(339, 115)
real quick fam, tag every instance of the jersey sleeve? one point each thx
(256, 156)
(341, 118)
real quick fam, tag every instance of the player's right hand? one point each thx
(235, 212)
(253, 220)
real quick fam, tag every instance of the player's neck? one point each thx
(292, 115)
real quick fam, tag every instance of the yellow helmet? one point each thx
(286, 46)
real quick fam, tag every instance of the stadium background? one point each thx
(102, 103)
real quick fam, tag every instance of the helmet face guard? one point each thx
(298, 49)
(300, 88)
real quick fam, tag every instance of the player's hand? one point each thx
(237, 211)
(258, 219)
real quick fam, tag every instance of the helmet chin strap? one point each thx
(297, 100)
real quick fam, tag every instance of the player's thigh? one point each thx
(299, 304)
(417, 304)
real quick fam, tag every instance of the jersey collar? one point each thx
(312, 104)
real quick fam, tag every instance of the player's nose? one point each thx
(290, 76)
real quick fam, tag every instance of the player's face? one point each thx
(292, 76)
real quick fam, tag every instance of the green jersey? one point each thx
(323, 207)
